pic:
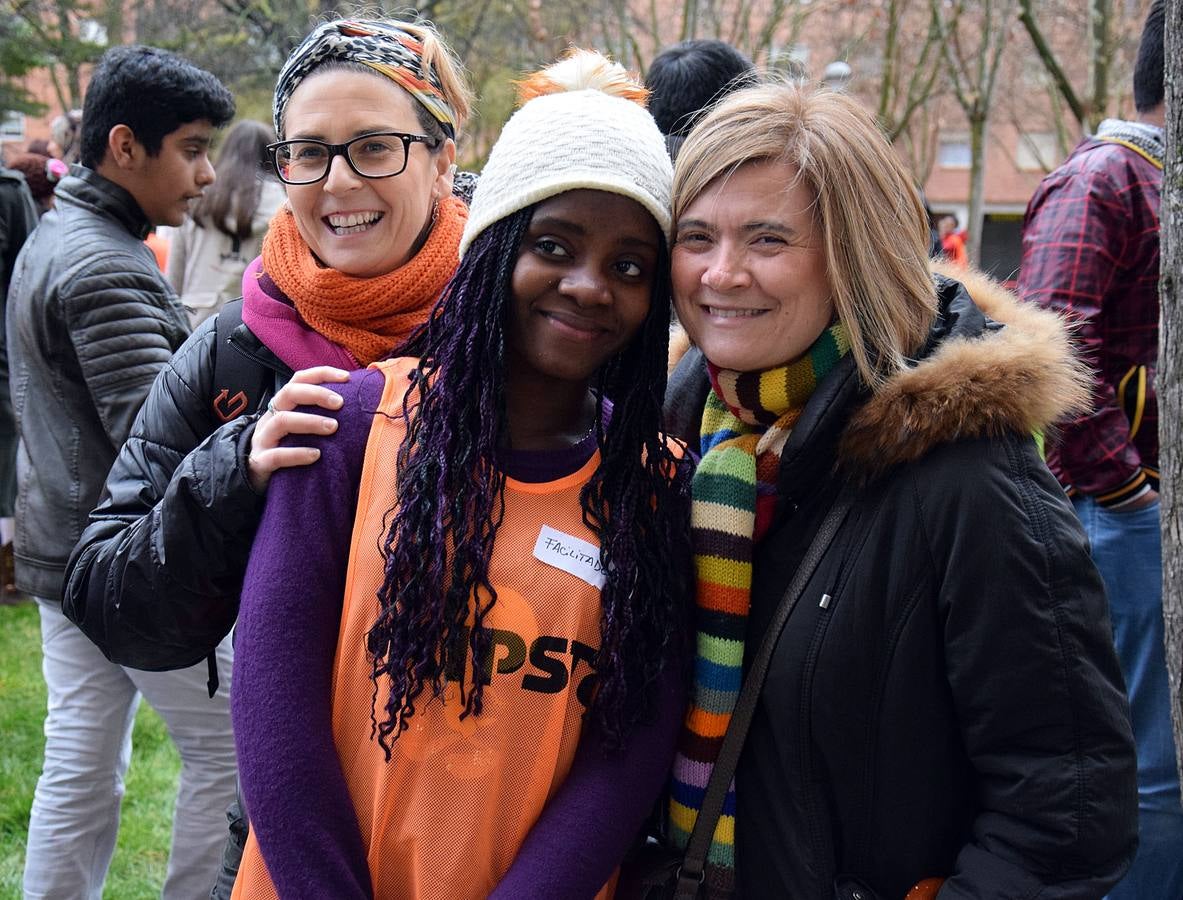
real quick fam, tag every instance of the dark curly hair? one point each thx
(451, 502)
(152, 92)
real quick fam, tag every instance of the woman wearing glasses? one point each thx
(351, 264)
(368, 114)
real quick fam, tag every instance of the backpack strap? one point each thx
(240, 386)
(240, 383)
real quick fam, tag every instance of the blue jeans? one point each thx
(1127, 548)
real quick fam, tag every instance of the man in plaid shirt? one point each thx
(1090, 252)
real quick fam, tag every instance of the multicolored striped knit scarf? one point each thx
(745, 425)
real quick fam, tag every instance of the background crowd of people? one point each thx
(654, 489)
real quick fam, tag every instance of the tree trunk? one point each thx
(1098, 93)
(978, 125)
(1170, 372)
(70, 60)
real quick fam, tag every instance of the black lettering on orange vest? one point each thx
(555, 669)
(456, 655)
(515, 654)
(581, 652)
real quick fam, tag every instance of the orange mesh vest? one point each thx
(444, 818)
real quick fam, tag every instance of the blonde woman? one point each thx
(944, 699)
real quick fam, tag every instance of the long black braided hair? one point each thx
(451, 502)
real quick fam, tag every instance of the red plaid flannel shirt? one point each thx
(1090, 251)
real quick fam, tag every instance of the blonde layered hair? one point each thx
(870, 219)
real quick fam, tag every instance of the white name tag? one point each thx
(571, 554)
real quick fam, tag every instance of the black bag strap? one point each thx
(239, 382)
(693, 868)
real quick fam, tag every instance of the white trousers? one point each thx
(92, 706)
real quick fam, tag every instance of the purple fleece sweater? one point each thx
(295, 792)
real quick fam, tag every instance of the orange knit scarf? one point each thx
(369, 317)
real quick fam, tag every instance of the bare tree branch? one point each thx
(921, 82)
(1099, 41)
(890, 44)
(976, 96)
(1048, 58)
(947, 32)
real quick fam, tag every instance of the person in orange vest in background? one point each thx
(158, 244)
(952, 240)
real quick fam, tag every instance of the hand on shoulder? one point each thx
(280, 420)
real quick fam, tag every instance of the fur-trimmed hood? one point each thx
(978, 381)
(993, 364)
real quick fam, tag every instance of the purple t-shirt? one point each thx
(295, 792)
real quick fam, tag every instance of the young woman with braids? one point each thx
(473, 687)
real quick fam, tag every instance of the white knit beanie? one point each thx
(586, 134)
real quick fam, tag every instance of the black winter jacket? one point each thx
(91, 320)
(955, 708)
(18, 218)
(155, 578)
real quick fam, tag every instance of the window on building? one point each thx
(953, 152)
(12, 126)
(1037, 152)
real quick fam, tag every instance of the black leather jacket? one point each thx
(155, 578)
(91, 320)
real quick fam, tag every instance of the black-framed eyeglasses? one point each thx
(382, 154)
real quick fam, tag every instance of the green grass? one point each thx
(137, 871)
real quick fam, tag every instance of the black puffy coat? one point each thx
(155, 578)
(955, 709)
(91, 320)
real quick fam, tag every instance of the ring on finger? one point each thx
(271, 407)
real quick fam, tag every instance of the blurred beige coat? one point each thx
(205, 265)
